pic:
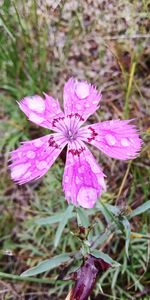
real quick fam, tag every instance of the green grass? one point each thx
(39, 49)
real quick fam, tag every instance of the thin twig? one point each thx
(129, 87)
(123, 181)
(107, 242)
(125, 37)
(69, 295)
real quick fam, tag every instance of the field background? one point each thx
(41, 45)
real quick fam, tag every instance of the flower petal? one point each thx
(80, 98)
(33, 159)
(40, 111)
(83, 180)
(117, 139)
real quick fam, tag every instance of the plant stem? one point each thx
(128, 92)
(30, 279)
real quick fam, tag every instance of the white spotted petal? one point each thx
(80, 97)
(85, 179)
(33, 159)
(118, 139)
(41, 111)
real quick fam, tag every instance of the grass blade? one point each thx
(141, 209)
(62, 224)
(47, 265)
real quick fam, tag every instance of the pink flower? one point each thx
(83, 180)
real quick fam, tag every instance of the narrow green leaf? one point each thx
(53, 219)
(113, 208)
(127, 229)
(15, 278)
(82, 217)
(105, 257)
(114, 279)
(99, 240)
(50, 220)
(4, 24)
(66, 216)
(139, 210)
(109, 215)
(104, 211)
(46, 265)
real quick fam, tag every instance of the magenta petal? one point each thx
(41, 112)
(33, 159)
(83, 180)
(81, 98)
(117, 139)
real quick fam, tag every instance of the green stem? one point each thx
(30, 279)
(128, 92)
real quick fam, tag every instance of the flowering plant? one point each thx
(83, 180)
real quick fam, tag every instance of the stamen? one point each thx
(93, 134)
(52, 143)
(76, 151)
(75, 123)
(57, 120)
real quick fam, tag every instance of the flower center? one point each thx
(71, 135)
(69, 126)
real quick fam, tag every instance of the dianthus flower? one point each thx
(83, 179)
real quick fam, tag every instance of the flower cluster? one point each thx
(83, 180)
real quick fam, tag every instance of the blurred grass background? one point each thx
(41, 46)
